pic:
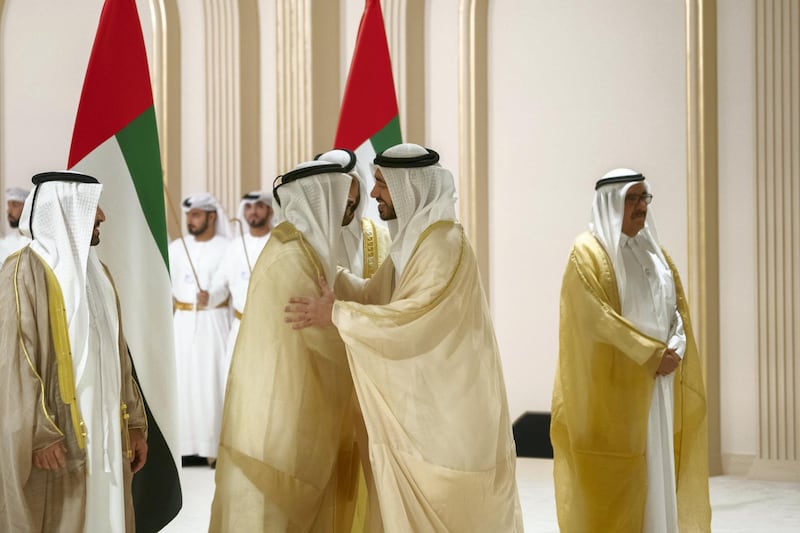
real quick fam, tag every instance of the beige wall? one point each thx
(738, 320)
(575, 89)
(44, 50)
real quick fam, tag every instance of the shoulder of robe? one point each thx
(31, 264)
(589, 252)
(589, 260)
(285, 232)
(442, 232)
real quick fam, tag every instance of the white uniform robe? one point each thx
(233, 277)
(200, 338)
(650, 304)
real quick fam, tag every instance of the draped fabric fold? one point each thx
(33, 415)
(599, 431)
(426, 368)
(282, 464)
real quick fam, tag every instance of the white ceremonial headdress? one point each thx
(313, 197)
(422, 191)
(205, 201)
(608, 210)
(249, 198)
(351, 254)
(59, 216)
(16, 194)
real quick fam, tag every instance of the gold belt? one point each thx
(185, 306)
(237, 314)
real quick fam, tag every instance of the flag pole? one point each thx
(183, 241)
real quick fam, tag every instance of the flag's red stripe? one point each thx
(116, 89)
(369, 101)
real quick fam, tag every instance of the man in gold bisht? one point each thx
(289, 392)
(425, 362)
(72, 422)
(629, 411)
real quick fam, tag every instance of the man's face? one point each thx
(199, 222)
(381, 193)
(14, 212)
(353, 199)
(99, 218)
(257, 214)
(635, 210)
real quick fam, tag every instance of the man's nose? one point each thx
(372, 193)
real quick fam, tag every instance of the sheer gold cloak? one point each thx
(288, 404)
(601, 399)
(427, 371)
(33, 414)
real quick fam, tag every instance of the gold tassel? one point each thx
(125, 417)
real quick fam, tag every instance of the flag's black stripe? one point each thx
(157, 496)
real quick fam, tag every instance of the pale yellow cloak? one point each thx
(285, 455)
(38, 405)
(601, 399)
(427, 371)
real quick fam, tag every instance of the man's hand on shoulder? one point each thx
(54, 457)
(303, 312)
(138, 449)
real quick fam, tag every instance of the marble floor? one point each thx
(738, 505)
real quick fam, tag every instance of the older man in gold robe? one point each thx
(72, 421)
(629, 414)
(289, 393)
(425, 362)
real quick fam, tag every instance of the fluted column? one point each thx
(223, 103)
(307, 35)
(472, 129)
(778, 236)
(703, 212)
(405, 33)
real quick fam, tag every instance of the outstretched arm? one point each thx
(303, 311)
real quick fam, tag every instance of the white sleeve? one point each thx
(677, 335)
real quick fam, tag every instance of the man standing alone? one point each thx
(72, 421)
(201, 325)
(629, 412)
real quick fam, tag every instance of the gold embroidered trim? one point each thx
(25, 350)
(59, 331)
(370, 247)
(125, 417)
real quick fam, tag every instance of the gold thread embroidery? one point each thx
(25, 350)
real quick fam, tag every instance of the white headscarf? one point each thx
(205, 201)
(250, 198)
(16, 194)
(315, 206)
(421, 196)
(351, 253)
(60, 216)
(608, 210)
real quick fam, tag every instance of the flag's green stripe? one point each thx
(139, 144)
(388, 136)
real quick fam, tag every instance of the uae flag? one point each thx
(115, 139)
(369, 121)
